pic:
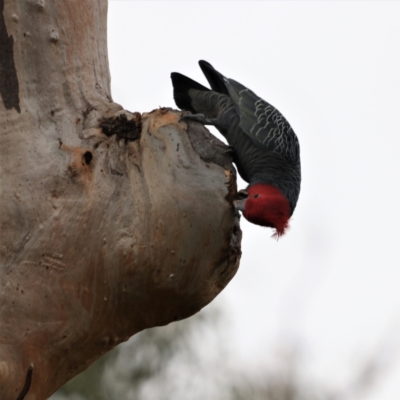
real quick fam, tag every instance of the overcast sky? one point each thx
(333, 69)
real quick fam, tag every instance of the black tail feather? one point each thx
(182, 84)
(215, 79)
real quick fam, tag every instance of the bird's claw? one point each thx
(229, 150)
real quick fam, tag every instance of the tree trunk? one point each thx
(111, 222)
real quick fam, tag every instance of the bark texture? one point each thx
(111, 222)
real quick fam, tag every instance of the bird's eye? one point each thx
(256, 195)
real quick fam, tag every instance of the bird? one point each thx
(265, 148)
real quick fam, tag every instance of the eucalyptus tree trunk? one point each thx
(111, 222)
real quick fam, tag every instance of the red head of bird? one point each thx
(265, 205)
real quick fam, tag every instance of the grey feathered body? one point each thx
(266, 149)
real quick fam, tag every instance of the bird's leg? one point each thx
(201, 118)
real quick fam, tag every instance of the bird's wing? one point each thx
(262, 122)
(214, 78)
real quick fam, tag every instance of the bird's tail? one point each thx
(215, 79)
(182, 84)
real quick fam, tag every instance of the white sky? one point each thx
(333, 69)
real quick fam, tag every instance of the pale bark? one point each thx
(101, 237)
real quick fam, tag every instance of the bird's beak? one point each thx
(240, 204)
(241, 200)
